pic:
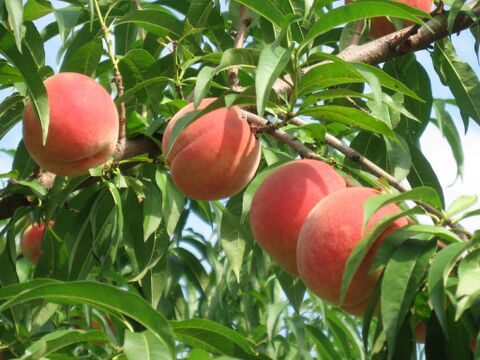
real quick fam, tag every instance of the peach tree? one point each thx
(132, 268)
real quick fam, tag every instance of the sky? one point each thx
(434, 147)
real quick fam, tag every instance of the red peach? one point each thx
(83, 129)
(283, 201)
(31, 241)
(215, 156)
(421, 332)
(330, 232)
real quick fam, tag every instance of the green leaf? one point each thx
(387, 81)
(400, 282)
(413, 75)
(349, 116)
(439, 272)
(103, 296)
(441, 232)
(234, 234)
(246, 57)
(213, 337)
(85, 59)
(337, 72)
(152, 208)
(447, 126)
(141, 86)
(11, 110)
(361, 249)
(144, 346)
(468, 289)
(25, 63)
(33, 40)
(35, 9)
(271, 63)
(459, 77)
(308, 134)
(423, 194)
(193, 268)
(202, 85)
(422, 173)
(265, 8)
(399, 160)
(293, 288)
(323, 344)
(67, 19)
(455, 9)
(360, 10)
(59, 339)
(15, 16)
(460, 204)
(173, 201)
(158, 22)
(346, 335)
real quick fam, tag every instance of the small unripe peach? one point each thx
(330, 232)
(215, 156)
(283, 201)
(83, 129)
(31, 242)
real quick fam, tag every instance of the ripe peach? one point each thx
(215, 156)
(328, 236)
(421, 332)
(83, 128)
(31, 242)
(283, 201)
(381, 26)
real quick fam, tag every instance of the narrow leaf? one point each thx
(59, 339)
(459, 77)
(25, 63)
(103, 296)
(271, 63)
(144, 346)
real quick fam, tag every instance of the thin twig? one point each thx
(138, 6)
(357, 35)
(116, 71)
(243, 24)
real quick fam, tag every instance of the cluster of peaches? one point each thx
(83, 133)
(303, 215)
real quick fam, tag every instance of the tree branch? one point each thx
(125, 150)
(243, 24)
(408, 40)
(116, 71)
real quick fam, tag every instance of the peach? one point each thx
(215, 156)
(31, 241)
(381, 26)
(83, 129)
(283, 201)
(421, 332)
(326, 240)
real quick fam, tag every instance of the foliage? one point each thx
(125, 272)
